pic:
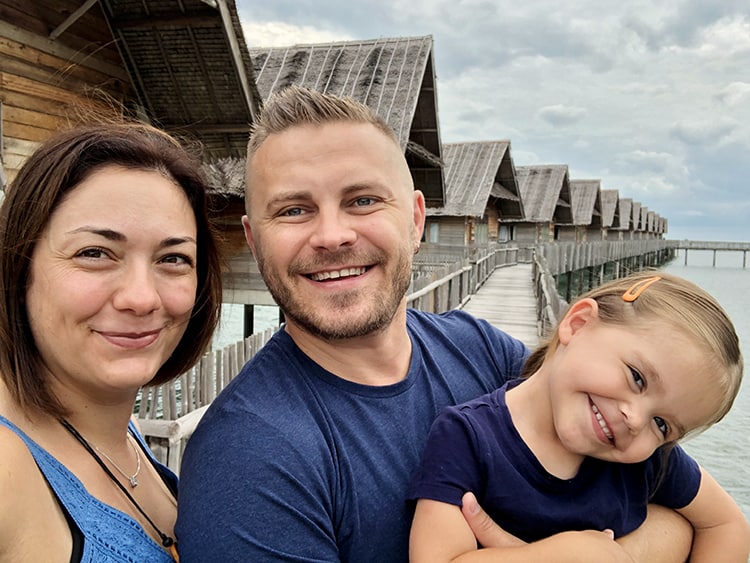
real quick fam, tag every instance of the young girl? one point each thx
(588, 439)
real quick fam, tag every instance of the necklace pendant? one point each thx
(133, 481)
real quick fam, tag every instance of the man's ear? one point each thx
(580, 314)
(248, 233)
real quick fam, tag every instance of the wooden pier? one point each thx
(507, 301)
(715, 247)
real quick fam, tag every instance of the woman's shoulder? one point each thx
(26, 502)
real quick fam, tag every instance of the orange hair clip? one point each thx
(637, 288)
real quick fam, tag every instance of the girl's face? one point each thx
(619, 392)
(113, 282)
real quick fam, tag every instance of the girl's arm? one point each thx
(720, 526)
(665, 536)
(440, 533)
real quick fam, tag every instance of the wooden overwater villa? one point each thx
(184, 65)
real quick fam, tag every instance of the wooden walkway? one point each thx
(507, 301)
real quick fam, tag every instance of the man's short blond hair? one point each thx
(295, 106)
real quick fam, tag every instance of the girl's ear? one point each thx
(580, 314)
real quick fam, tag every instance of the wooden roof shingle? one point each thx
(190, 67)
(545, 193)
(626, 217)
(475, 173)
(610, 209)
(585, 201)
(636, 215)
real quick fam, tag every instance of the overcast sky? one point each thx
(652, 98)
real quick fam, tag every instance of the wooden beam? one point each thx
(239, 65)
(58, 50)
(71, 19)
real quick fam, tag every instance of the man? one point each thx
(307, 454)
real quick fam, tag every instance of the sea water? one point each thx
(724, 449)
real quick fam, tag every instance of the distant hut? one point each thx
(644, 222)
(586, 211)
(636, 230)
(610, 214)
(481, 195)
(545, 196)
(625, 229)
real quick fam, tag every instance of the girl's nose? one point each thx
(634, 416)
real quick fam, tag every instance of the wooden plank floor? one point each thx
(507, 301)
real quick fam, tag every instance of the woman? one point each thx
(110, 281)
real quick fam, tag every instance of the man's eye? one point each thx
(638, 378)
(364, 201)
(292, 212)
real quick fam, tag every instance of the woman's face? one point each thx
(113, 282)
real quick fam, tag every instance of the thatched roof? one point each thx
(586, 204)
(626, 218)
(475, 174)
(393, 76)
(610, 209)
(636, 215)
(644, 218)
(190, 67)
(545, 193)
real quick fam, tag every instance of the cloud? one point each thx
(705, 132)
(280, 34)
(559, 114)
(651, 97)
(734, 94)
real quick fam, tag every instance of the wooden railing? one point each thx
(169, 413)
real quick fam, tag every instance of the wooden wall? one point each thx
(52, 76)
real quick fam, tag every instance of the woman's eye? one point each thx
(93, 252)
(638, 378)
(178, 259)
(662, 425)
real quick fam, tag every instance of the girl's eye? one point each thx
(638, 378)
(662, 425)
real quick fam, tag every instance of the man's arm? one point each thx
(665, 536)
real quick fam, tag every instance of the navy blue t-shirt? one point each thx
(475, 447)
(292, 463)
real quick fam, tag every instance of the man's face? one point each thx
(333, 221)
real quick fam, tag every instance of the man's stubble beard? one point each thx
(383, 304)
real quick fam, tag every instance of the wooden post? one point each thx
(248, 321)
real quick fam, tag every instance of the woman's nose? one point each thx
(137, 290)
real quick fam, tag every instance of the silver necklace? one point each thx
(132, 479)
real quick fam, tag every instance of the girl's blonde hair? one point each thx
(657, 296)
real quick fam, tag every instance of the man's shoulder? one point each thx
(448, 320)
